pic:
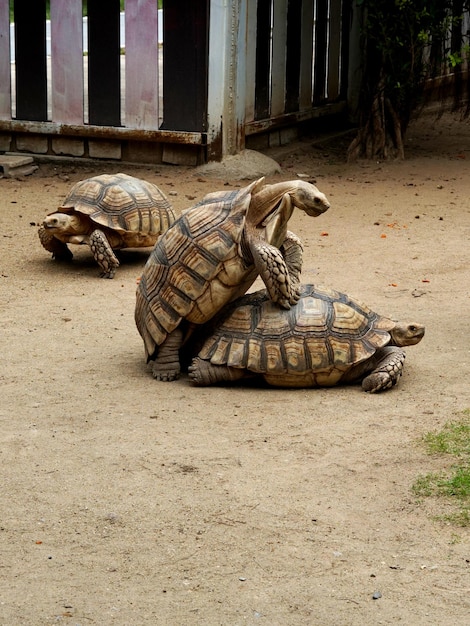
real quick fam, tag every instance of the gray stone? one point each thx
(12, 166)
(67, 146)
(37, 144)
(248, 164)
(104, 149)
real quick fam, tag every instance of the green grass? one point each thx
(453, 484)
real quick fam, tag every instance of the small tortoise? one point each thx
(325, 339)
(107, 212)
(212, 254)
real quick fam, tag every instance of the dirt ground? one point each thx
(130, 501)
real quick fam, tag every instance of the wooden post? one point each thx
(228, 78)
(5, 89)
(67, 61)
(142, 73)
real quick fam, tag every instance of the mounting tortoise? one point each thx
(212, 254)
(325, 339)
(107, 212)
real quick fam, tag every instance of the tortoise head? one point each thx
(282, 197)
(63, 223)
(307, 197)
(406, 334)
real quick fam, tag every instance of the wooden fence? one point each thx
(227, 71)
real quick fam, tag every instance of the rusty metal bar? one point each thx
(103, 132)
(288, 119)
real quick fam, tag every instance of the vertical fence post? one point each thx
(67, 61)
(227, 78)
(142, 72)
(5, 88)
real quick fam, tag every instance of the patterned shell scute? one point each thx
(326, 330)
(121, 203)
(193, 266)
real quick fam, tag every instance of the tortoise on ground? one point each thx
(212, 254)
(107, 212)
(325, 339)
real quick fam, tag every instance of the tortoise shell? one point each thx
(136, 210)
(323, 336)
(212, 254)
(195, 267)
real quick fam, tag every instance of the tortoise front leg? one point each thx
(59, 249)
(203, 373)
(274, 272)
(166, 365)
(103, 254)
(292, 251)
(388, 367)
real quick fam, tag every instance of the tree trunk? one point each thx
(380, 134)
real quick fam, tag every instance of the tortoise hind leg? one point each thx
(166, 365)
(103, 254)
(58, 248)
(203, 373)
(388, 367)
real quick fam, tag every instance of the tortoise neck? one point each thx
(267, 200)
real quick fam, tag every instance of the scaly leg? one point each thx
(166, 366)
(389, 362)
(292, 250)
(58, 248)
(273, 271)
(103, 254)
(203, 373)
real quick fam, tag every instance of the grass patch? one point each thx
(453, 484)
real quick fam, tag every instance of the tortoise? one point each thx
(325, 339)
(107, 212)
(212, 254)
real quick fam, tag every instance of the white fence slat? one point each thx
(278, 85)
(5, 84)
(67, 62)
(142, 87)
(216, 93)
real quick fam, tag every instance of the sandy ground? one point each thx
(128, 501)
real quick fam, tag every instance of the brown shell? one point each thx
(325, 334)
(133, 208)
(195, 268)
